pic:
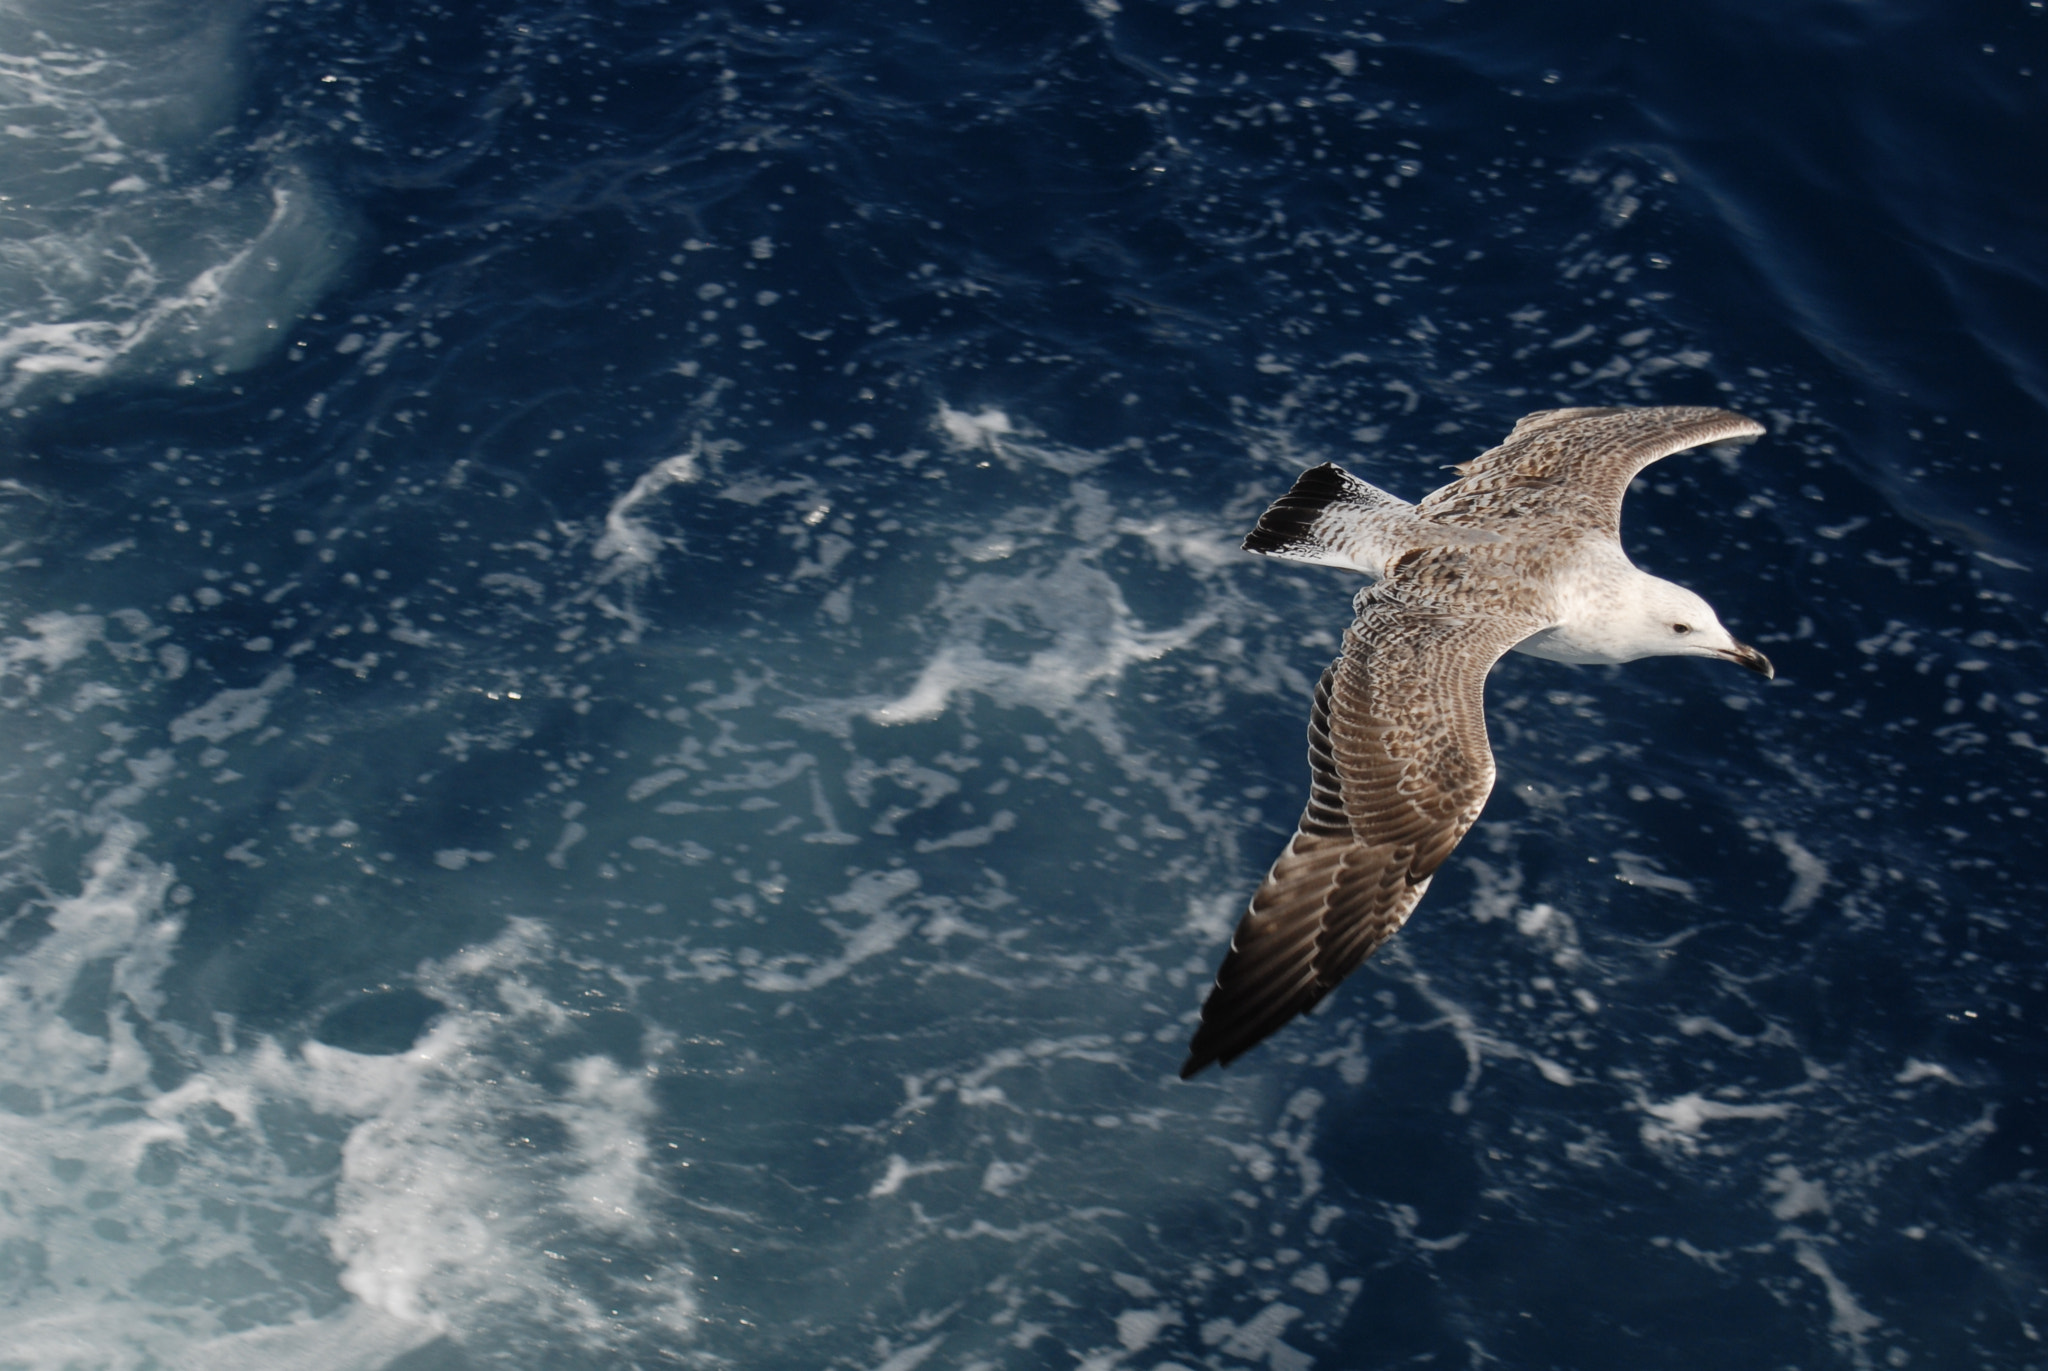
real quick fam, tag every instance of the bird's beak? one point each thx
(1742, 654)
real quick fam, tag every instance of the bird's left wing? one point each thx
(1401, 769)
(1579, 461)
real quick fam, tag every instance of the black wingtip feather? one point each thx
(1288, 523)
(1247, 1020)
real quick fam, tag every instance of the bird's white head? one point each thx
(1630, 614)
(1667, 620)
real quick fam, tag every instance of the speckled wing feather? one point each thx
(1400, 769)
(1574, 465)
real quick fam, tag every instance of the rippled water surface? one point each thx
(633, 722)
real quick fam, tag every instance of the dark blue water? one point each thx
(633, 723)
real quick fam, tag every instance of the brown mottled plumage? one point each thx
(1521, 552)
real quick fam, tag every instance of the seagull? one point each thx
(1521, 553)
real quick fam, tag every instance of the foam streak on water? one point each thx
(124, 252)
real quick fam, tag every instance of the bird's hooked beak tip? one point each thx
(1742, 654)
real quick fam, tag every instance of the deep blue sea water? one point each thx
(633, 723)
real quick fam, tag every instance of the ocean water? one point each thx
(632, 720)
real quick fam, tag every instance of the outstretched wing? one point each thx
(1400, 770)
(1580, 461)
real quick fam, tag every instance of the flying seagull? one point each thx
(1522, 552)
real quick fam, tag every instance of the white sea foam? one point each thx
(438, 1221)
(1095, 637)
(1917, 1070)
(900, 1171)
(627, 545)
(1809, 874)
(230, 711)
(912, 1357)
(1637, 870)
(1849, 1321)
(1797, 1195)
(992, 431)
(1678, 1124)
(123, 1193)
(874, 896)
(1260, 1338)
(54, 639)
(982, 430)
(96, 1207)
(114, 263)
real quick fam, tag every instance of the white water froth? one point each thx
(316, 1207)
(1809, 874)
(873, 895)
(994, 432)
(435, 1223)
(1095, 637)
(119, 256)
(627, 545)
(56, 638)
(231, 711)
(1679, 1124)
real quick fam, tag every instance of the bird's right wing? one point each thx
(1401, 769)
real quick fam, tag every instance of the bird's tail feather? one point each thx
(1331, 518)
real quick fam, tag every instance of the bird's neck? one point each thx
(1597, 609)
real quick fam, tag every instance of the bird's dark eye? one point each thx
(1681, 629)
